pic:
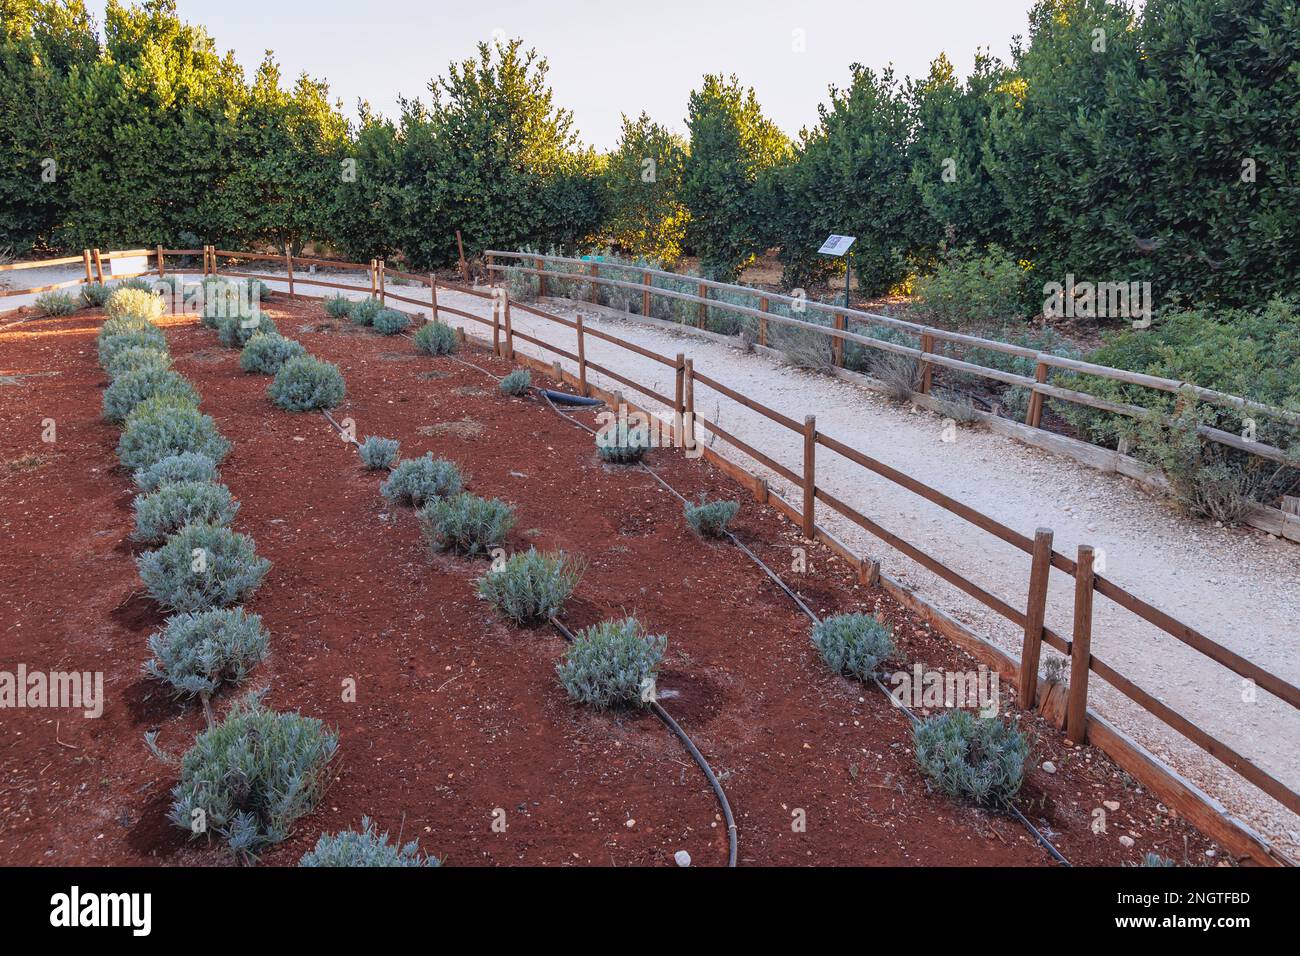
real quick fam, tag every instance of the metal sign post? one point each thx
(839, 246)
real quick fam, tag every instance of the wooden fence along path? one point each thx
(1080, 724)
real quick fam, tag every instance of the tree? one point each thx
(368, 193)
(644, 180)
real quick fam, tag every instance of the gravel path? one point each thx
(1239, 586)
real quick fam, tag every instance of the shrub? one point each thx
(377, 453)
(234, 331)
(266, 352)
(252, 776)
(979, 758)
(155, 431)
(710, 518)
(202, 566)
(853, 644)
(517, 382)
(612, 663)
(176, 504)
(305, 383)
(531, 587)
(972, 288)
(623, 445)
(131, 388)
(1156, 860)
(466, 523)
(95, 294)
(135, 358)
(415, 481)
(436, 338)
(124, 324)
(189, 466)
(363, 311)
(337, 305)
(141, 303)
(198, 653)
(56, 303)
(109, 346)
(390, 322)
(364, 848)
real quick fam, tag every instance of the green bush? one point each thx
(531, 587)
(978, 758)
(710, 518)
(95, 294)
(165, 511)
(378, 453)
(136, 358)
(234, 331)
(155, 431)
(199, 653)
(337, 305)
(612, 663)
(364, 848)
(141, 303)
(854, 644)
(390, 322)
(415, 481)
(188, 466)
(517, 382)
(363, 311)
(124, 324)
(202, 566)
(56, 304)
(436, 338)
(466, 524)
(252, 776)
(131, 388)
(109, 346)
(974, 288)
(265, 353)
(623, 445)
(306, 383)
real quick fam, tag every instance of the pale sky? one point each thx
(613, 56)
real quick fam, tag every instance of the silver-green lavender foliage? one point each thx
(235, 331)
(95, 294)
(199, 653)
(854, 644)
(56, 303)
(190, 466)
(363, 311)
(436, 338)
(306, 383)
(126, 300)
(140, 337)
(123, 324)
(266, 352)
(165, 511)
(378, 453)
(623, 445)
(364, 847)
(466, 523)
(137, 357)
(611, 664)
(337, 305)
(531, 587)
(517, 382)
(710, 518)
(131, 388)
(250, 778)
(155, 431)
(390, 321)
(415, 481)
(980, 759)
(202, 566)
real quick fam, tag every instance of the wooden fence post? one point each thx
(464, 266)
(582, 358)
(762, 323)
(383, 282)
(837, 343)
(927, 370)
(496, 323)
(645, 296)
(809, 474)
(541, 276)
(510, 335)
(374, 277)
(595, 270)
(491, 275)
(1035, 614)
(85, 258)
(679, 397)
(703, 292)
(99, 266)
(288, 265)
(689, 428)
(433, 294)
(1034, 416)
(161, 271)
(1076, 710)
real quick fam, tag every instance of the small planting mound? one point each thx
(135, 358)
(710, 518)
(264, 353)
(56, 303)
(306, 383)
(131, 388)
(202, 566)
(176, 504)
(363, 311)
(531, 587)
(979, 758)
(612, 664)
(252, 776)
(436, 338)
(189, 466)
(517, 382)
(364, 847)
(234, 331)
(378, 453)
(110, 345)
(337, 305)
(390, 322)
(466, 523)
(853, 644)
(155, 431)
(415, 481)
(141, 303)
(95, 294)
(198, 654)
(622, 445)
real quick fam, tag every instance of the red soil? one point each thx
(457, 713)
